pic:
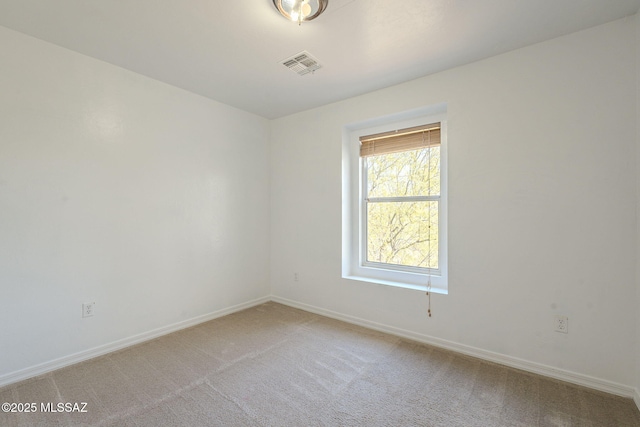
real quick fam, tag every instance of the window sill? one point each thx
(420, 288)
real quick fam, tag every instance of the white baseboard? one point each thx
(572, 377)
(514, 362)
(46, 367)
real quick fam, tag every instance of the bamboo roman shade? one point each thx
(400, 140)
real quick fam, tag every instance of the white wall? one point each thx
(637, 358)
(542, 198)
(115, 188)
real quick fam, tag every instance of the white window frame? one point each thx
(354, 264)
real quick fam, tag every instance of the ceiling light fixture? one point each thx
(300, 10)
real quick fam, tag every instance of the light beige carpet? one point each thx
(273, 365)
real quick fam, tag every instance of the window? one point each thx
(394, 229)
(400, 198)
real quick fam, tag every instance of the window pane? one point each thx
(403, 233)
(409, 173)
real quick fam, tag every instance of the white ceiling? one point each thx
(230, 51)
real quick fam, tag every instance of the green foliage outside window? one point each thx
(403, 232)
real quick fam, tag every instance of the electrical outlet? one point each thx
(296, 277)
(88, 309)
(561, 323)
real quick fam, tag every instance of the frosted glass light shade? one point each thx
(300, 10)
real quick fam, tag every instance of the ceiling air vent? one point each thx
(302, 63)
